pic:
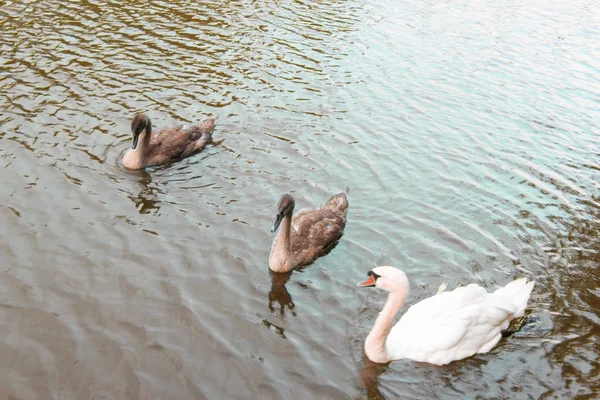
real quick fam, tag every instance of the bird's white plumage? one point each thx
(454, 325)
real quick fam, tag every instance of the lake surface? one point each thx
(467, 132)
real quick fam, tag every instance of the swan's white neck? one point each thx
(375, 342)
(281, 259)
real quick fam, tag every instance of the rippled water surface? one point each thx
(467, 131)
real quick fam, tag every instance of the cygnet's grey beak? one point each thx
(277, 222)
(135, 141)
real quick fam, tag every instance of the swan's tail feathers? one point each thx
(339, 201)
(207, 126)
(517, 292)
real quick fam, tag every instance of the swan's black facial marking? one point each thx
(374, 275)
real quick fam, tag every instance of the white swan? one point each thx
(446, 327)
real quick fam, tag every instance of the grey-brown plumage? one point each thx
(308, 234)
(166, 145)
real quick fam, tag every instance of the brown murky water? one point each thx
(468, 133)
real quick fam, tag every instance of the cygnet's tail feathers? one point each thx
(517, 292)
(339, 201)
(206, 127)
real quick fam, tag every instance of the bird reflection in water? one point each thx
(369, 376)
(279, 293)
(147, 201)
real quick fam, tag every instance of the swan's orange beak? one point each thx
(369, 282)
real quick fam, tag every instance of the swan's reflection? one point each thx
(146, 201)
(279, 293)
(369, 375)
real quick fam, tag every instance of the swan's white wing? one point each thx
(450, 326)
(442, 287)
(444, 302)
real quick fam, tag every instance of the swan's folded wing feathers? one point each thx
(195, 132)
(438, 323)
(501, 303)
(446, 302)
(298, 218)
(166, 144)
(316, 228)
(422, 341)
(444, 337)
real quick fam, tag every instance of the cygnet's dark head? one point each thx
(139, 124)
(285, 207)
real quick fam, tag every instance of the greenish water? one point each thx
(467, 132)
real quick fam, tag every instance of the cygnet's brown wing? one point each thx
(315, 231)
(172, 143)
(202, 130)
